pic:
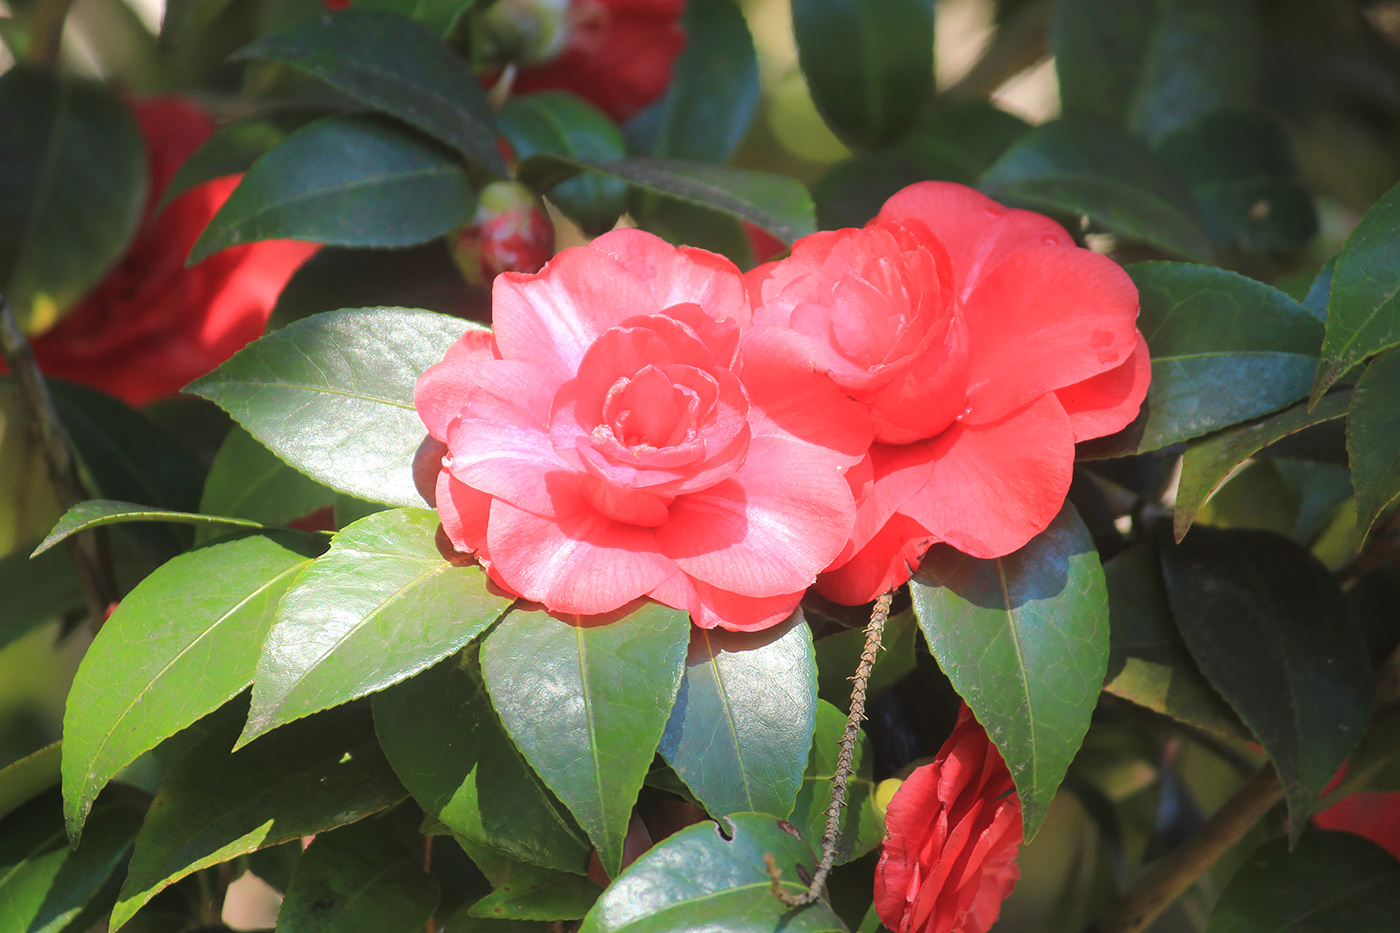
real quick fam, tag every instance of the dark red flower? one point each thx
(952, 831)
(152, 325)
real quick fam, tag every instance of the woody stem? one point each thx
(845, 762)
(46, 32)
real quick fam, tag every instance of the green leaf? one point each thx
(839, 654)
(1098, 47)
(36, 591)
(739, 732)
(869, 65)
(95, 513)
(961, 139)
(1079, 166)
(778, 204)
(233, 149)
(528, 892)
(312, 776)
(448, 747)
(586, 704)
(1363, 311)
(1320, 292)
(1239, 165)
(179, 646)
(1148, 662)
(714, 90)
(358, 879)
(851, 192)
(1373, 440)
(1269, 627)
(381, 605)
(24, 779)
(712, 877)
(1329, 883)
(396, 66)
(559, 123)
(1211, 459)
(348, 180)
(1024, 640)
(1225, 349)
(73, 183)
(333, 395)
(249, 481)
(686, 224)
(862, 822)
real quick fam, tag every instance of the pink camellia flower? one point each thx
(621, 434)
(952, 831)
(984, 343)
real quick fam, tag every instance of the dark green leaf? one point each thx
(1329, 883)
(26, 778)
(357, 879)
(586, 704)
(853, 190)
(451, 752)
(528, 892)
(739, 733)
(838, 655)
(961, 139)
(869, 65)
(441, 16)
(96, 513)
(686, 224)
(1320, 292)
(862, 822)
(1363, 310)
(1148, 662)
(1269, 627)
(396, 66)
(713, 878)
(232, 149)
(213, 806)
(249, 481)
(36, 591)
(1225, 349)
(561, 124)
(333, 395)
(348, 180)
(1079, 166)
(1373, 440)
(778, 204)
(713, 94)
(1211, 459)
(1024, 640)
(1098, 47)
(381, 605)
(179, 646)
(73, 183)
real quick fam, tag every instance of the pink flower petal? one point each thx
(463, 512)
(885, 561)
(710, 607)
(680, 275)
(1109, 401)
(442, 389)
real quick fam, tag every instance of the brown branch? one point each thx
(46, 32)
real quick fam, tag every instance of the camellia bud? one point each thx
(510, 233)
(521, 32)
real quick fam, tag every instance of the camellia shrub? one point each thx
(623, 466)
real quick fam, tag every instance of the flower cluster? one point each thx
(646, 421)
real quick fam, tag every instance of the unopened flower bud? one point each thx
(521, 32)
(510, 233)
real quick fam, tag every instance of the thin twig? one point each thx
(46, 32)
(845, 764)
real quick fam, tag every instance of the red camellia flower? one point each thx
(510, 233)
(984, 344)
(152, 325)
(620, 433)
(1372, 814)
(952, 830)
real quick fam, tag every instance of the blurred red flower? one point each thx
(1372, 814)
(952, 831)
(984, 343)
(152, 325)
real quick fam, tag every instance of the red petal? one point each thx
(463, 512)
(680, 274)
(1109, 401)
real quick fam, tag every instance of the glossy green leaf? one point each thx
(868, 64)
(713, 878)
(1079, 166)
(1329, 883)
(381, 605)
(233, 149)
(1098, 47)
(1363, 310)
(777, 203)
(95, 513)
(179, 646)
(739, 732)
(349, 180)
(36, 591)
(521, 891)
(73, 184)
(1148, 662)
(1024, 640)
(1211, 459)
(1373, 440)
(559, 123)
(249, 481)
(449, 748)
(961, 139)
(396, 66)
(312, 776)
(24, 779)
(586, 703)
(357, 879)
(862, 822)
(1321, 290)
(1268, 625)
(1225, 349)
(713, 95)
(839, 654)
(333, 395)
